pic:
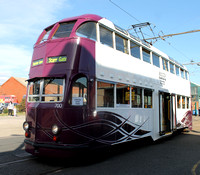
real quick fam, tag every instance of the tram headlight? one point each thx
(26, 126)
(55, 129)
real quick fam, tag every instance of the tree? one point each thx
(22, 106)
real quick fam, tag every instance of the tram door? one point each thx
(167, 113)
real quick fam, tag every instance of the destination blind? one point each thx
(37, 62)
(56, 59)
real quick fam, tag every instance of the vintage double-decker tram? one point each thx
(93, 84)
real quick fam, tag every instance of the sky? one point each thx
(22, 21)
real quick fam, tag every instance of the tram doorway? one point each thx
(167, 113)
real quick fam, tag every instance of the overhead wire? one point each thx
(149, 29)
(125, 11)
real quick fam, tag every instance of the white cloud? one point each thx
(14, 61)
(21, 23)
(24, 18)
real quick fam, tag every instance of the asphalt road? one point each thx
(178, 154)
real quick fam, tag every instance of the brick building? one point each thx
(14, 86)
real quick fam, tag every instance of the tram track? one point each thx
(16, 161)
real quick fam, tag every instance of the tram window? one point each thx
(87, 30)
(136, 97)
(34, 88)
(105, 94)
(182, 73)
(165, 64)
(135, 50)
(53, 89)
(178, 101)
(186, 75)
(123, 95)
(106, 36)
(183, 102)
(188, 102)
(79, 92)
(121, 44)
(147, 98)
(64, 30)
(46, 35)
(177, 71)
(171, 68)
(34, 91)
(146, 55)
(156, 60)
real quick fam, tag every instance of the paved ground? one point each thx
(11, 126)
(178, 154)
(196, 125)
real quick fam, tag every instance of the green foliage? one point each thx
(5, 111)
(22, 106)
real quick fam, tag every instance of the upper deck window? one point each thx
(87, 30)
(106, 36)
(46, 35)
(135, 50)
(64, 30)
(146, 55)
(186, 75)
(165, 64)
(156, 60)
(171, 68)
(177, 71)
(182, 73)
(121, 43)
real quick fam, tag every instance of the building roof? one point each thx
(21, 80)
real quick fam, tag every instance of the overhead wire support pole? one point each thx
(174, 34)
(192, 63)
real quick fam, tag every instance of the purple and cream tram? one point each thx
(93, 84)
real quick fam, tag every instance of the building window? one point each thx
(105, 94)
(123, 95)
(147, 98)
(121, 44)
(106, 37)
(156, 60)
(178, 101)
(135, 50)
(87, 30)
(165, 64)
(136, 97)
(171, 68)
(146, 55)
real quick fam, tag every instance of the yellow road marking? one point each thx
(195, 167)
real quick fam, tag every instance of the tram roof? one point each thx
(111, 25)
